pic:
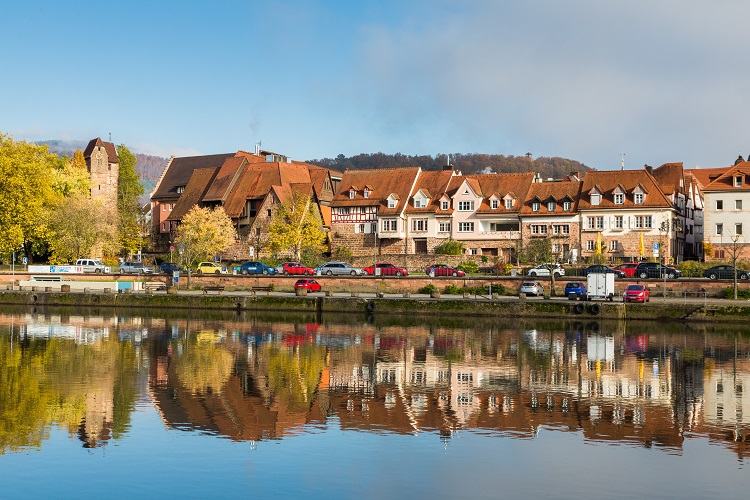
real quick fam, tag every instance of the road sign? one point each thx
(25, 261)
(171, 248)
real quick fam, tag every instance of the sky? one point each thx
(647, 81)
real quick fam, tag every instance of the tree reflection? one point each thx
(203, 366)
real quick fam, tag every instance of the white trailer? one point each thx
(600, 286)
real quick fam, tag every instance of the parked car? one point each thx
(599, 268)
(92, 266)
(532, 288)
(135, 268)
(444, 270)
(628, 268)
(725, 273)
(545, 269)
(255, 267)
(339, 269)
(575, 290)
(386, 269)
(307, 284)
(656, 270)
(288, 268)
(211, 268)
(636, 293)
(170, 267)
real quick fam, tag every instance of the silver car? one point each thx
(544, 270)
(532, 288)
(135, 268)
(338, 269)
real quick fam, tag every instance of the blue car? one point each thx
(575, 290)
(255, 267)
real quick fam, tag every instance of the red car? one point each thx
(636, 293)
(443, 270)
(628, 268)
(296, 268)
(384, 269)
(309, 285)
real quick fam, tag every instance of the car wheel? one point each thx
(643, 276)
(532, 273)
(307, 273)
(557, 274)
(98, 271)
(671, 276)
(199, 272)
(712, 276)
(217, 272)
(398, 273)
(454, 274)
(286, 273)
(244, 272)
(329, 272)
(265, 272)
(353, 273)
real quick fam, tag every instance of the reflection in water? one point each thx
(252, 379)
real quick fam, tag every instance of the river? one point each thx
(220, 404)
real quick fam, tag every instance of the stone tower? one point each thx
(103, 166)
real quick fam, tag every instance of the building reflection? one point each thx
(255, 379)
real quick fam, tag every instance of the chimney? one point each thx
(575, 175)
(648, 168)
(739, 160)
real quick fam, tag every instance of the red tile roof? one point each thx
(196, 187)
(108, 147)
(725, 182)
(606, 181)
(433, 184)
(705, 176)
(552, 191)
(179, 171)
(385, 181)
(670, 178)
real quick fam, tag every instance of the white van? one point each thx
(92, 266)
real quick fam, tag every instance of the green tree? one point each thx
(297, 226)
(539, 250)
(26, 192)
(202, 233)
(129, 191)
(80, 225)
(71, 175)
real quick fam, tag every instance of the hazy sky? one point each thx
(658, 80)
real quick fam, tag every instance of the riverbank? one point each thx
(705, 310)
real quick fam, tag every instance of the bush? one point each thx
(427, 289)
(469, 267)
(452, 290)
(742, 293)
(692, 268)
(450, 247)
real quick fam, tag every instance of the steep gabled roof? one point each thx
(433, 184)
(725, 182)
(501, 185)
(706, 176)
(384, 181)
(670, 178)
(179, 171)
(607, 180)
(196, 187)
(557, 191)
(108, 147)
(225, 179)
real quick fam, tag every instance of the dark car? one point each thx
(636, 293)
(443, 270)
(656, 270)
(599, 268)
(255, 267)
(575, 290)
(725, 273)
(170, 267)
(385, 269)
(307, 284)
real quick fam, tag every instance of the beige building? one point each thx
(104, 168)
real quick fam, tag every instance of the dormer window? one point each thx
(444, 205)
(619, 198)
(420, 203)
(596, 198)
(180, 189)
(494, 204)
(366, 193)
(737, 181)
(638, 198)
(535, 206)
(566, 206)
(551, 206)
(508, 203)
(391, 203)
(351, 194)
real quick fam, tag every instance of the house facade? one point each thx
(727, 211)
(103, 166)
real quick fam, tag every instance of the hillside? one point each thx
(473, 163)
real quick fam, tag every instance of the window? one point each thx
(419, 225)
(551, 206)
(351, 194)
(566, 206)
(618, 222)
(556, 247)
(538, 229)
(600, 222)
(171, 207)
(465, 227)
(389, 224)
(643, 222)
(590, 245)
(614, 246)
(535, 206)
(737, 181)
(494, 204)
(163, 226)
(391, 203)
(420, 203)
(738, 228)
(638, 198)
(619, 198)
(465, 206)
(444, 227)
(268, 213)
(561, 229)
(359, 228)
(164, 208)
(719, 229)
(180, 189)
(366, 193)
(590, 222)
(473, 251)
(719, 204)
(444, 205)
(596, 199)
(508, 204)
(738, 204)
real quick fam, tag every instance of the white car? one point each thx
(544, 270)
(532, 288)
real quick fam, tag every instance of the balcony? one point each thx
(500, 235)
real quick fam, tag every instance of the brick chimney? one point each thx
(648, 168)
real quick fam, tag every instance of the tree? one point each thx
(539, 250)
(71, 175)
(203, 233)
(735, 250)
(129, 191)
(297, 226)
(26, 192)
(80, 225)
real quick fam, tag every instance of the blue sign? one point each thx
(176, 276)
(656, 246)
(25, 261)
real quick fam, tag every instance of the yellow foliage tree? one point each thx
(79, 225)
(296, 226)
(202, 233)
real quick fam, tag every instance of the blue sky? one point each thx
(658, 80)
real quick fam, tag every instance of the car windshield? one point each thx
(529, 284)
(637, 288)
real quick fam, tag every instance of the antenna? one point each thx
(110, 137)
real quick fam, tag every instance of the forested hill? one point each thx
(466, 163)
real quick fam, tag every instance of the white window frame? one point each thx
(590, 222)
(419, 225)
(551, 206)
(737, 181)
(466, 206)
(444, 205)
(366, 193)
(561, 229)
(465, 227)
(738, 204)
(444, 227)
(539, 229)
(619, 222)
(619, 198)
(391, 203)
(590, 245)
(535, 205)
(351, 194)
(389, 225)
(494, 204)
(596, 199)
(719, 229)
(566, 206)
(508, 203)
(638, 198)
(719, 205)
(738, 228)
(600, 222)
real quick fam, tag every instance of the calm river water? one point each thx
(195, 405)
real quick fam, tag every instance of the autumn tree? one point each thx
(129, 191)
(296, 226)
(71, 175)
(26, 192)
(202, 233)
(78, 225)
